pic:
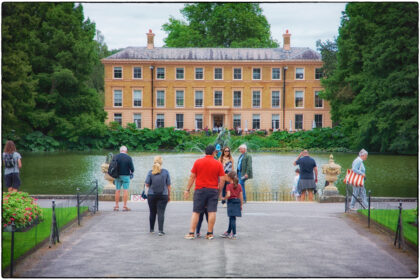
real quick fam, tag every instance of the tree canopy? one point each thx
(373, 85)
(228, 25)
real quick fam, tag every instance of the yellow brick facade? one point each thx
(210, 112)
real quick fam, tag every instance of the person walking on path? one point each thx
(227, 160)
(307, 182)
(235, 201)
(244, 170)
(125, 171)
(208, 175)
(159, 183)
(359, 168)
(12, 162)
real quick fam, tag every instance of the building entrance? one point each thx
(218, 120)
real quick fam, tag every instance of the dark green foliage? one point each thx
(228, 25)
(373, 91)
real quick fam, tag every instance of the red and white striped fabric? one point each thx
(353, 178)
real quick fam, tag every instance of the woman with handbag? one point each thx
(359, 168)
(159, 183)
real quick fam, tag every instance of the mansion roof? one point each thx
(216, 54)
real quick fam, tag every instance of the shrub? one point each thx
(20, 208)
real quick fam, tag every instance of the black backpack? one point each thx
(113, 168)
(8, 161)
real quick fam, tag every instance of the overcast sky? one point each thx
(126, 24)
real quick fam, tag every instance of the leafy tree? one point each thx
(228, 25)
(373, 91)
(328, 52)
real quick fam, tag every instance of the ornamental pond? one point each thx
(63, 172)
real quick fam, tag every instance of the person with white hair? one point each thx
(125, 171)
(359, 168)
(244, 169)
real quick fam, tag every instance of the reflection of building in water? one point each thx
(194, 88)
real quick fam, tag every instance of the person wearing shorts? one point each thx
(125, 171)
(11, 174)
(208, 175)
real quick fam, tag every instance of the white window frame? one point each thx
(272, 121)
(134, 120)
(195, 98)
(303, 78)
(176, 78)
(252, 98)
(113, 98)
(157, 115)
(240, 120)
(279, 73)
(202, 120)
(141, 73)
(303, 118)
(315, 72)
(195, 73)
(214, 97)
(141, 97)
(183, 121)
(113, 119)
(233, 73)
(113, 72)
(259, 121)
(183, 98)
(303, 99)
(254, 68)
(164, 73)
(233, 99)
(214, 73)
(164, 98)
(272, 98)
(322, 100)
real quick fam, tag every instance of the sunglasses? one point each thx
(227, 151)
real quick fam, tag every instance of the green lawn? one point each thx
(24, 241)
(389, 219)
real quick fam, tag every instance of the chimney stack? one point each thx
(286, 40)
(150, 40)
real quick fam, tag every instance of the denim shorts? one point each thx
(12, 180)
(123, 180)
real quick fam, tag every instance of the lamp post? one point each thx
(284, 95)
(151, 70)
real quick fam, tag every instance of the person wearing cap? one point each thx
(219, 152)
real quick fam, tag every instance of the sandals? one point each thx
(126, 208)
(116, 208)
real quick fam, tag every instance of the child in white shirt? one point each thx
(294, 191)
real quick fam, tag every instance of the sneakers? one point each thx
(233, 236)
(198, 235)
(189, 236)
(209, 236)
(224, 235)
(353, 208)
(161, 233)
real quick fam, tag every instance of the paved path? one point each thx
(287, 239)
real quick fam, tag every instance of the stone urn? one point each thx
(110, 187)
(331, 171)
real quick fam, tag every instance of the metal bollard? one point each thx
(369, 211)
(78, 206)
(97, 195)
(12, 249)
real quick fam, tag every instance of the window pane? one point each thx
(118, 118)
(275, 73)
(160, 73)
(117, 72)
(137, 96)
(298, 121)
(256, 73)
(255, 121)
(199, 121)
(180, 73)
(318, 121)
(275, 99)
(275, 121)
(236, 121)
(199, 98)
(237, 99)
(299, 73)
(179, 98)
(117, 98)
(256, 99)
(199, 73)
(237, 73)
(137, 120)
(160, 98)
(160, 120)
(137, 72)
(218, 98)
(179, 121)
(318, 100)
(299, 99)
(218, 73)
(318, 73)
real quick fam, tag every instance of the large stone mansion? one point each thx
(195, 88)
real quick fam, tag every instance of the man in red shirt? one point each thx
(208, 175)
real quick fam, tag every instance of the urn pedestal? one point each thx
(330, 192)
(110, 187)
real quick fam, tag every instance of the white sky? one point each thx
(126, 24)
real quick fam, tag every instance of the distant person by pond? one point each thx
(158, 181)
(208, 175)
(359, 168)
(294, 191)
(227, 161)
(12, 162)
(125, 171)
(244, 170)
(307, 180)
(235, 199)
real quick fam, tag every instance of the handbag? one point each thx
(143, 194)
(354, 179)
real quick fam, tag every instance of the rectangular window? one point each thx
(117, 98)
(179, 73)
(160, 73)
(237, 73)
(160, 120)
(118, 118)
(137, 97)
(218, 73)
(275, 73)
(218, 98)
(198, 98)
(237, 100)
(255, 121)
(318, 121)
(137, 120)
(199, 121)
(275, 121)
(117, 72)
(298, 121)
(179, 98)
(236, 121)
(160, 98)
(299, 73)
(275, 99)
(299, 99)
(318, 100)
(256, 99)
(318, 73)
(179, 121)
(199, 73)
(256, 73)
(137, 72)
